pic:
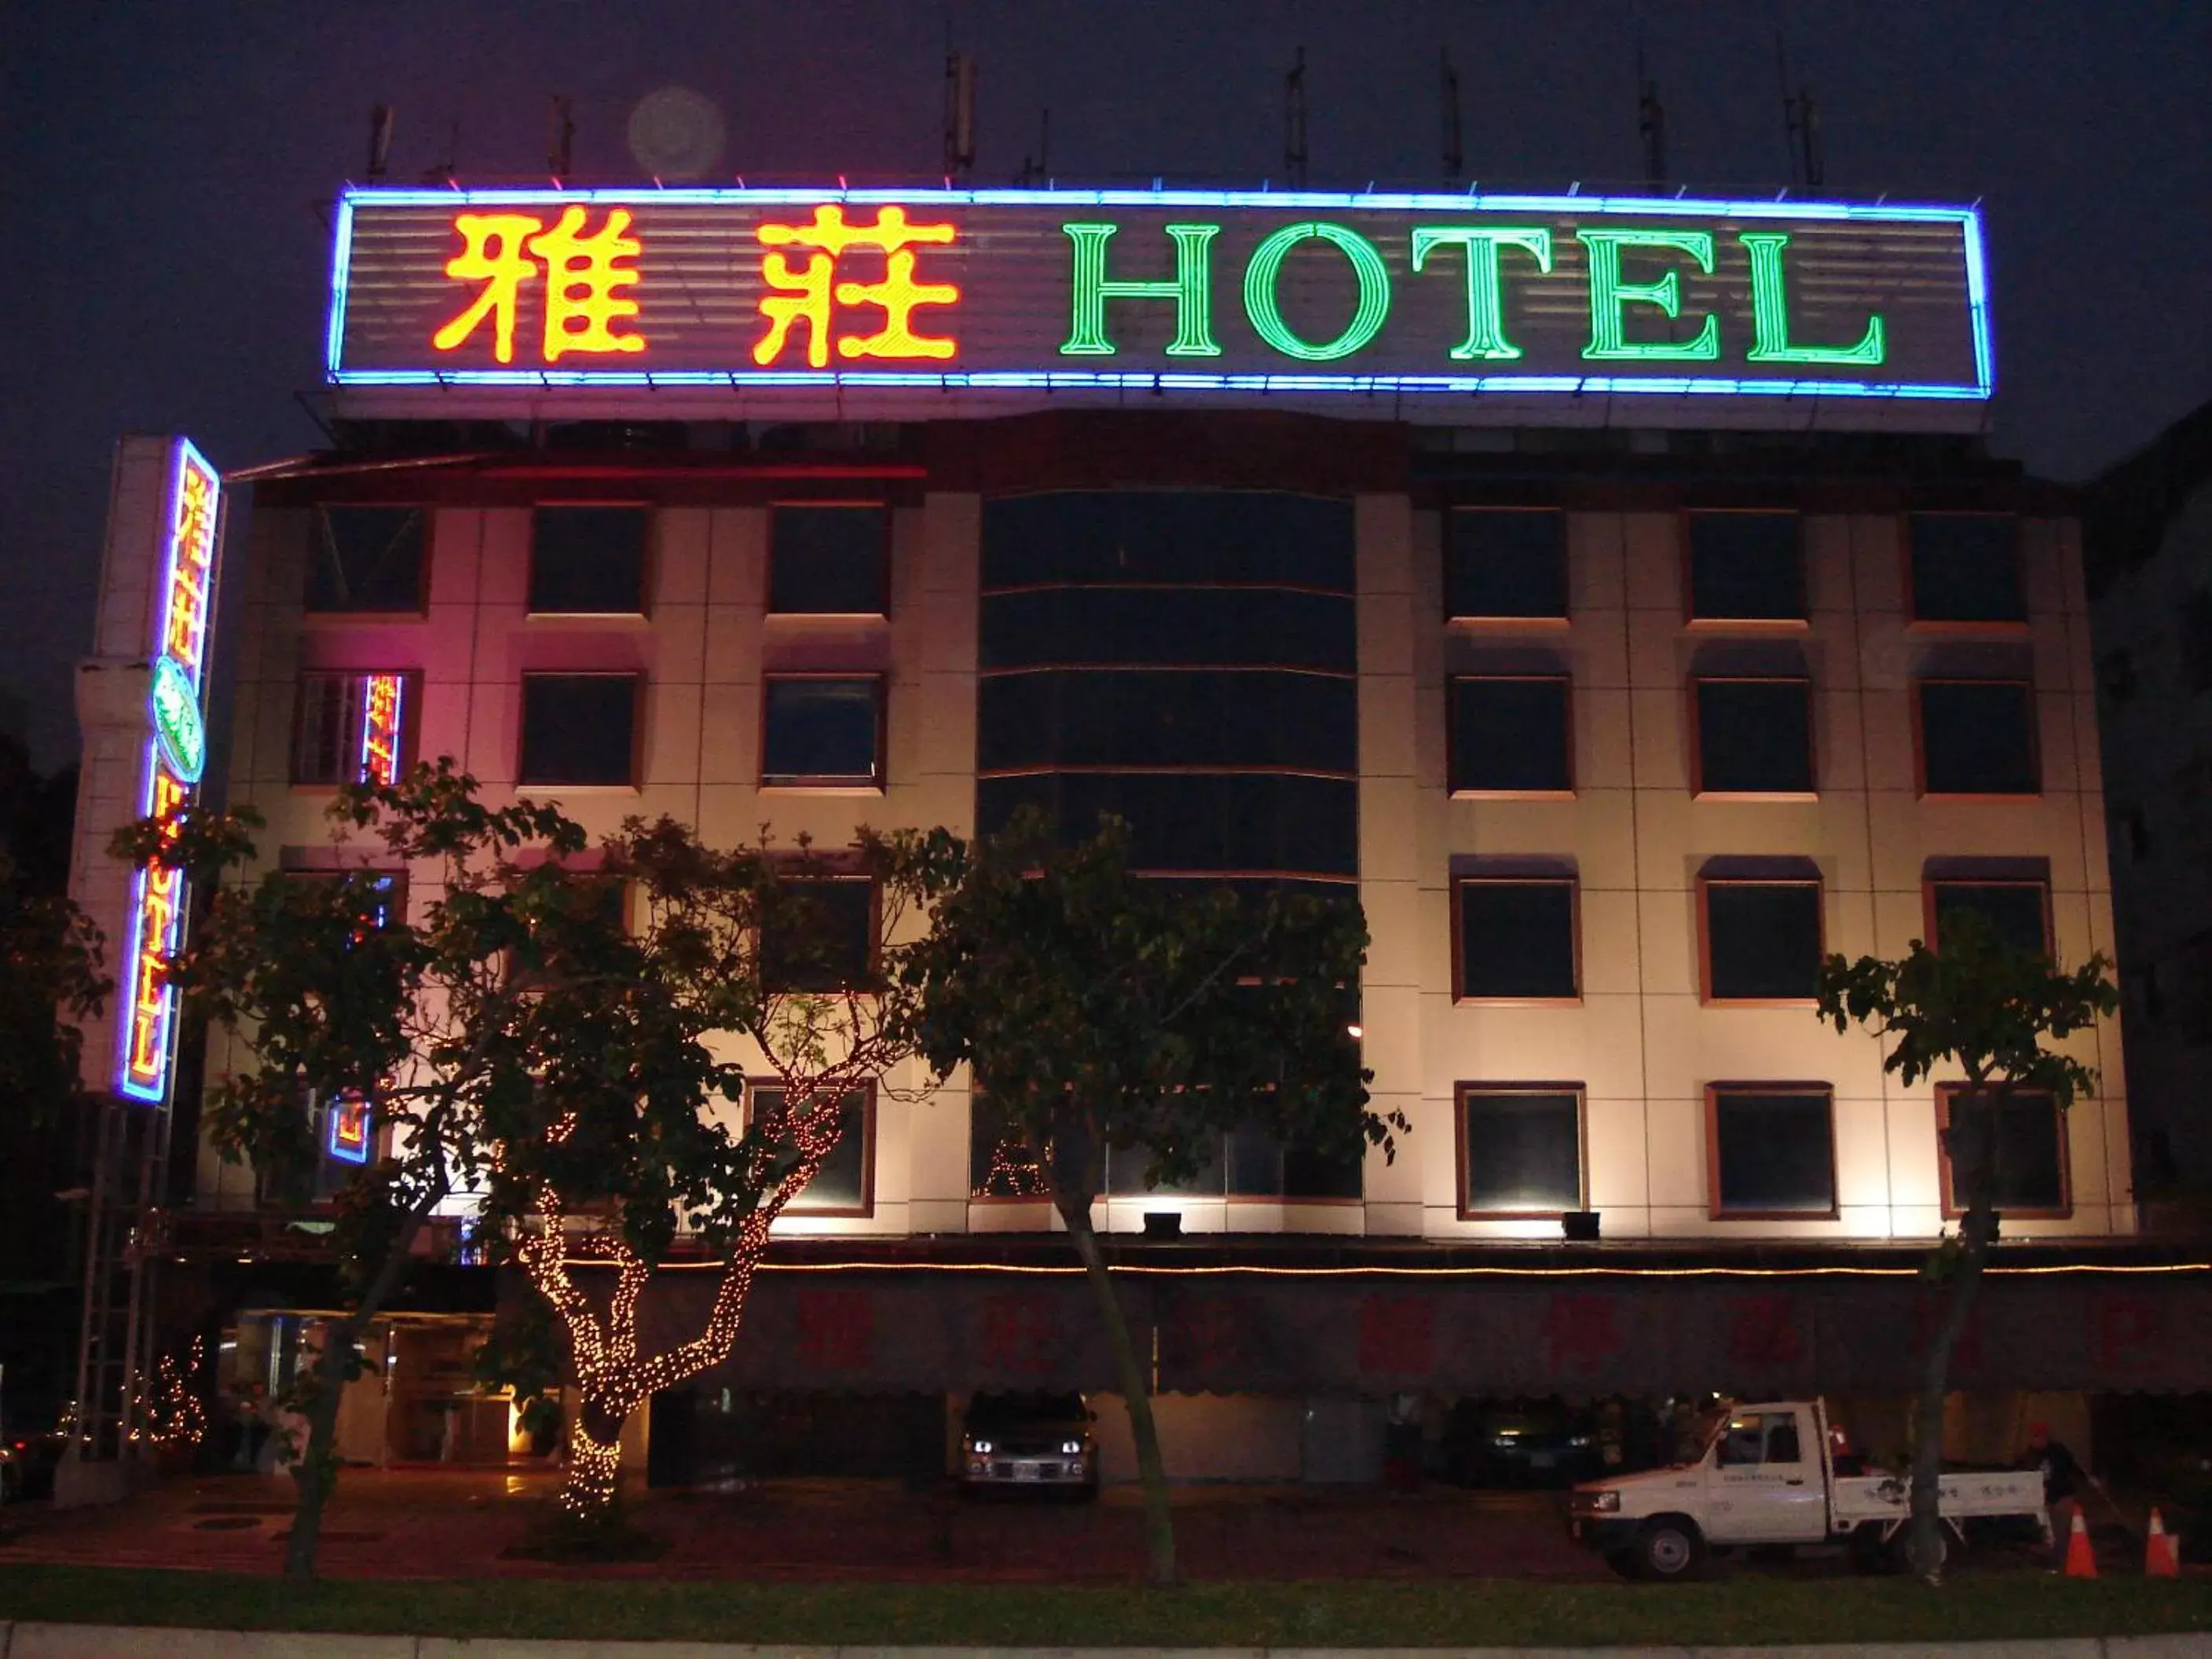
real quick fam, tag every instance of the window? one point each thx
(845, 1185)
(1966, 567)
(351, 727)
(1754, 1437)
(588, 561)
(579, 728)
(1772, 1148)
(1754, 736)
(1511, 735)
(1147, 718)
(1520, 1149)
(2018, 912)
(818, 730)
(820, 936)
(1762, 940)
(1747, 567)
(1001, 1163)
(2024, 1141)
(1249, 1163)
(367, 559)
(1506, 563)
(1977, 738)
(1517, 940)
(829, 561)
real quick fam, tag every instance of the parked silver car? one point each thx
(1034, 1442)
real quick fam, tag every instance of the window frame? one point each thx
(638, 716)
(2062, 1212)
(648, 562)
(1460, 995)
(1565, 681)
(1922, 792)
(1915, 623)
(1462, 1092)
(1705, 883)
(1928, 910)
(875, 950)
(846, 784)
(1476, 619)
(1692, 620)
(883, 560)
(868, 1140)
(1715, 1208)
(318, 618)
(410, 715)
(1698, 791)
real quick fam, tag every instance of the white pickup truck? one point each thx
(1768, 1477)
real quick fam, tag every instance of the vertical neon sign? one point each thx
(350, 1126)
(382, 699)
(175, 754)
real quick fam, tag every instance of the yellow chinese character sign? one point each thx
(804, 292)
(576, 278)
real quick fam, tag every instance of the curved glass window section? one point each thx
(1185, 659)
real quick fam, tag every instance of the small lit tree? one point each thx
(1101, 1009)
(629, 1128)
(1986, 1007)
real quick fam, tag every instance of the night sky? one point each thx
(163, 260)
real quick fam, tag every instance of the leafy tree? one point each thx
(1101, 1009)
(1986, 1007)
(626, 1043)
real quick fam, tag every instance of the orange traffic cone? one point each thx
(2161, 1551)
(2081, 1560)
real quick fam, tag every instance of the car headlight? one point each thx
(983, 1446)
(1071, 1448)
(1581, 1442)
(1603, 1503)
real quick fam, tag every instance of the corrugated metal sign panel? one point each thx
(425, 284)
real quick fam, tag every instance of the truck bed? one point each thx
(1960, 1495)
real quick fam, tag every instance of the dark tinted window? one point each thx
(1189, 536)
(588, 561)
(1505, 563)
(2017, 911)
(579, 728)
(1775, 1151)
(1517, 939)
(1250, 822)
(2028, 1134)
(366, 558)
(1754, 736)
(842, 1185)
(1187, 717)
(828, 561)
(822, 730)
(1511, 734)
(1520, 1153)
(1128, 1167)
(1762, 940)
(1966, 567)
(1747, 567)
(1001, 1163)
(819, 936)
(1977, 738)
(1193, 627)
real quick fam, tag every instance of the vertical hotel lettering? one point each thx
(175, 754)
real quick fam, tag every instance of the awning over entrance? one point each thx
(954, 1328)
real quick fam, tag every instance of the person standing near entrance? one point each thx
(2063, 1477)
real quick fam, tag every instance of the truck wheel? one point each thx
(1670, 1547)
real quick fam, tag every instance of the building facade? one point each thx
(1618, 696)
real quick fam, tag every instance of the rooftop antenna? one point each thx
(441, 172)
(379, 141)
(1650, 123)
(561, 145)
(1801, 126)
(959, 112)
(1455, 151)
(1034, 171)
(1294, 122)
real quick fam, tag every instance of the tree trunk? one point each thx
(1136, 1391)
(591, 1487)
(1925, 1542)
(316, 1470)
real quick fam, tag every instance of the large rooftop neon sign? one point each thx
(1166, 291)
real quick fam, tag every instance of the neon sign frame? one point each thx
(192, 532)
(1967, 219)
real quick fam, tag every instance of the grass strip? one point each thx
(1453, 1612)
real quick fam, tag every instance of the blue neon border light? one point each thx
(1968, 219)
(186, 455)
